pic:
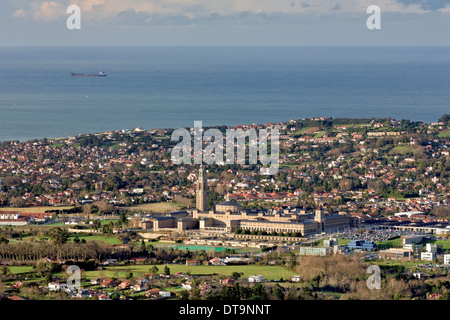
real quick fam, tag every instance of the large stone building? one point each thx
(228, 216)
(12, 218)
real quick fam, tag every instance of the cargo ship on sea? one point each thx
(100, 74)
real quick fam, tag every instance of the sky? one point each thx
(225, 23)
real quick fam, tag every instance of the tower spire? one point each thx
(201, 192)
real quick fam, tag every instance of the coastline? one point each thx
(206, 126)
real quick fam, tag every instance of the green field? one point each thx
(306, 130)
(444, 134)
(444, 243)
(402, 149)
(268, 272)
(392, 243)
(319, 134)
(20, 269)
(107, 239)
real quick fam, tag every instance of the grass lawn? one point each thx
(335, 295)
(319, 134)
(444, 243)
(268, 272)
(403, 149)
(20, 269)
(406, 263)
(319, 243)
(342, 241)
(306, 130)
(101, 238)
(392, 243)
(444, 134)
(107, 239)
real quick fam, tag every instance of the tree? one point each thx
(445, 118)
(154, 270)
(115, 295)
(17, 201)
(5, 270)
(184, 294)
(278, 292)
(236, 275)
(48, 278)
(166, 270)
(58, 235)
(12, 181)
(87, 209)
(105, 207)
(143, 247)
(258, 292)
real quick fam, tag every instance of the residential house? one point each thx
(108, 283)
(256, 278)
(186, 285)
(227, 281)
(152, 293)
(55, 286)
(192, 262)
(124, 285)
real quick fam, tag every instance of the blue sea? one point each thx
(171, 87)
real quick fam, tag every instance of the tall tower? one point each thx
(319, 218)
(201, 192)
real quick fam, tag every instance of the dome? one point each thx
(228, 206)
(229, 203)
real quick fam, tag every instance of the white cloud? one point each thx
(187, 11)
(49, 11)
(20, 13)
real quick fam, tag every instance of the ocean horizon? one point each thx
(171, 87)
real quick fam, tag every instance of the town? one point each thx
(349, 193)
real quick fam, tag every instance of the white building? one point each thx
(418, 275)
(9, 215)
(417, 247)
(54, 286)
(12, 219)
(164, 294)
(427, 256)
(447, 259)
(258, 278)
(187, 286)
